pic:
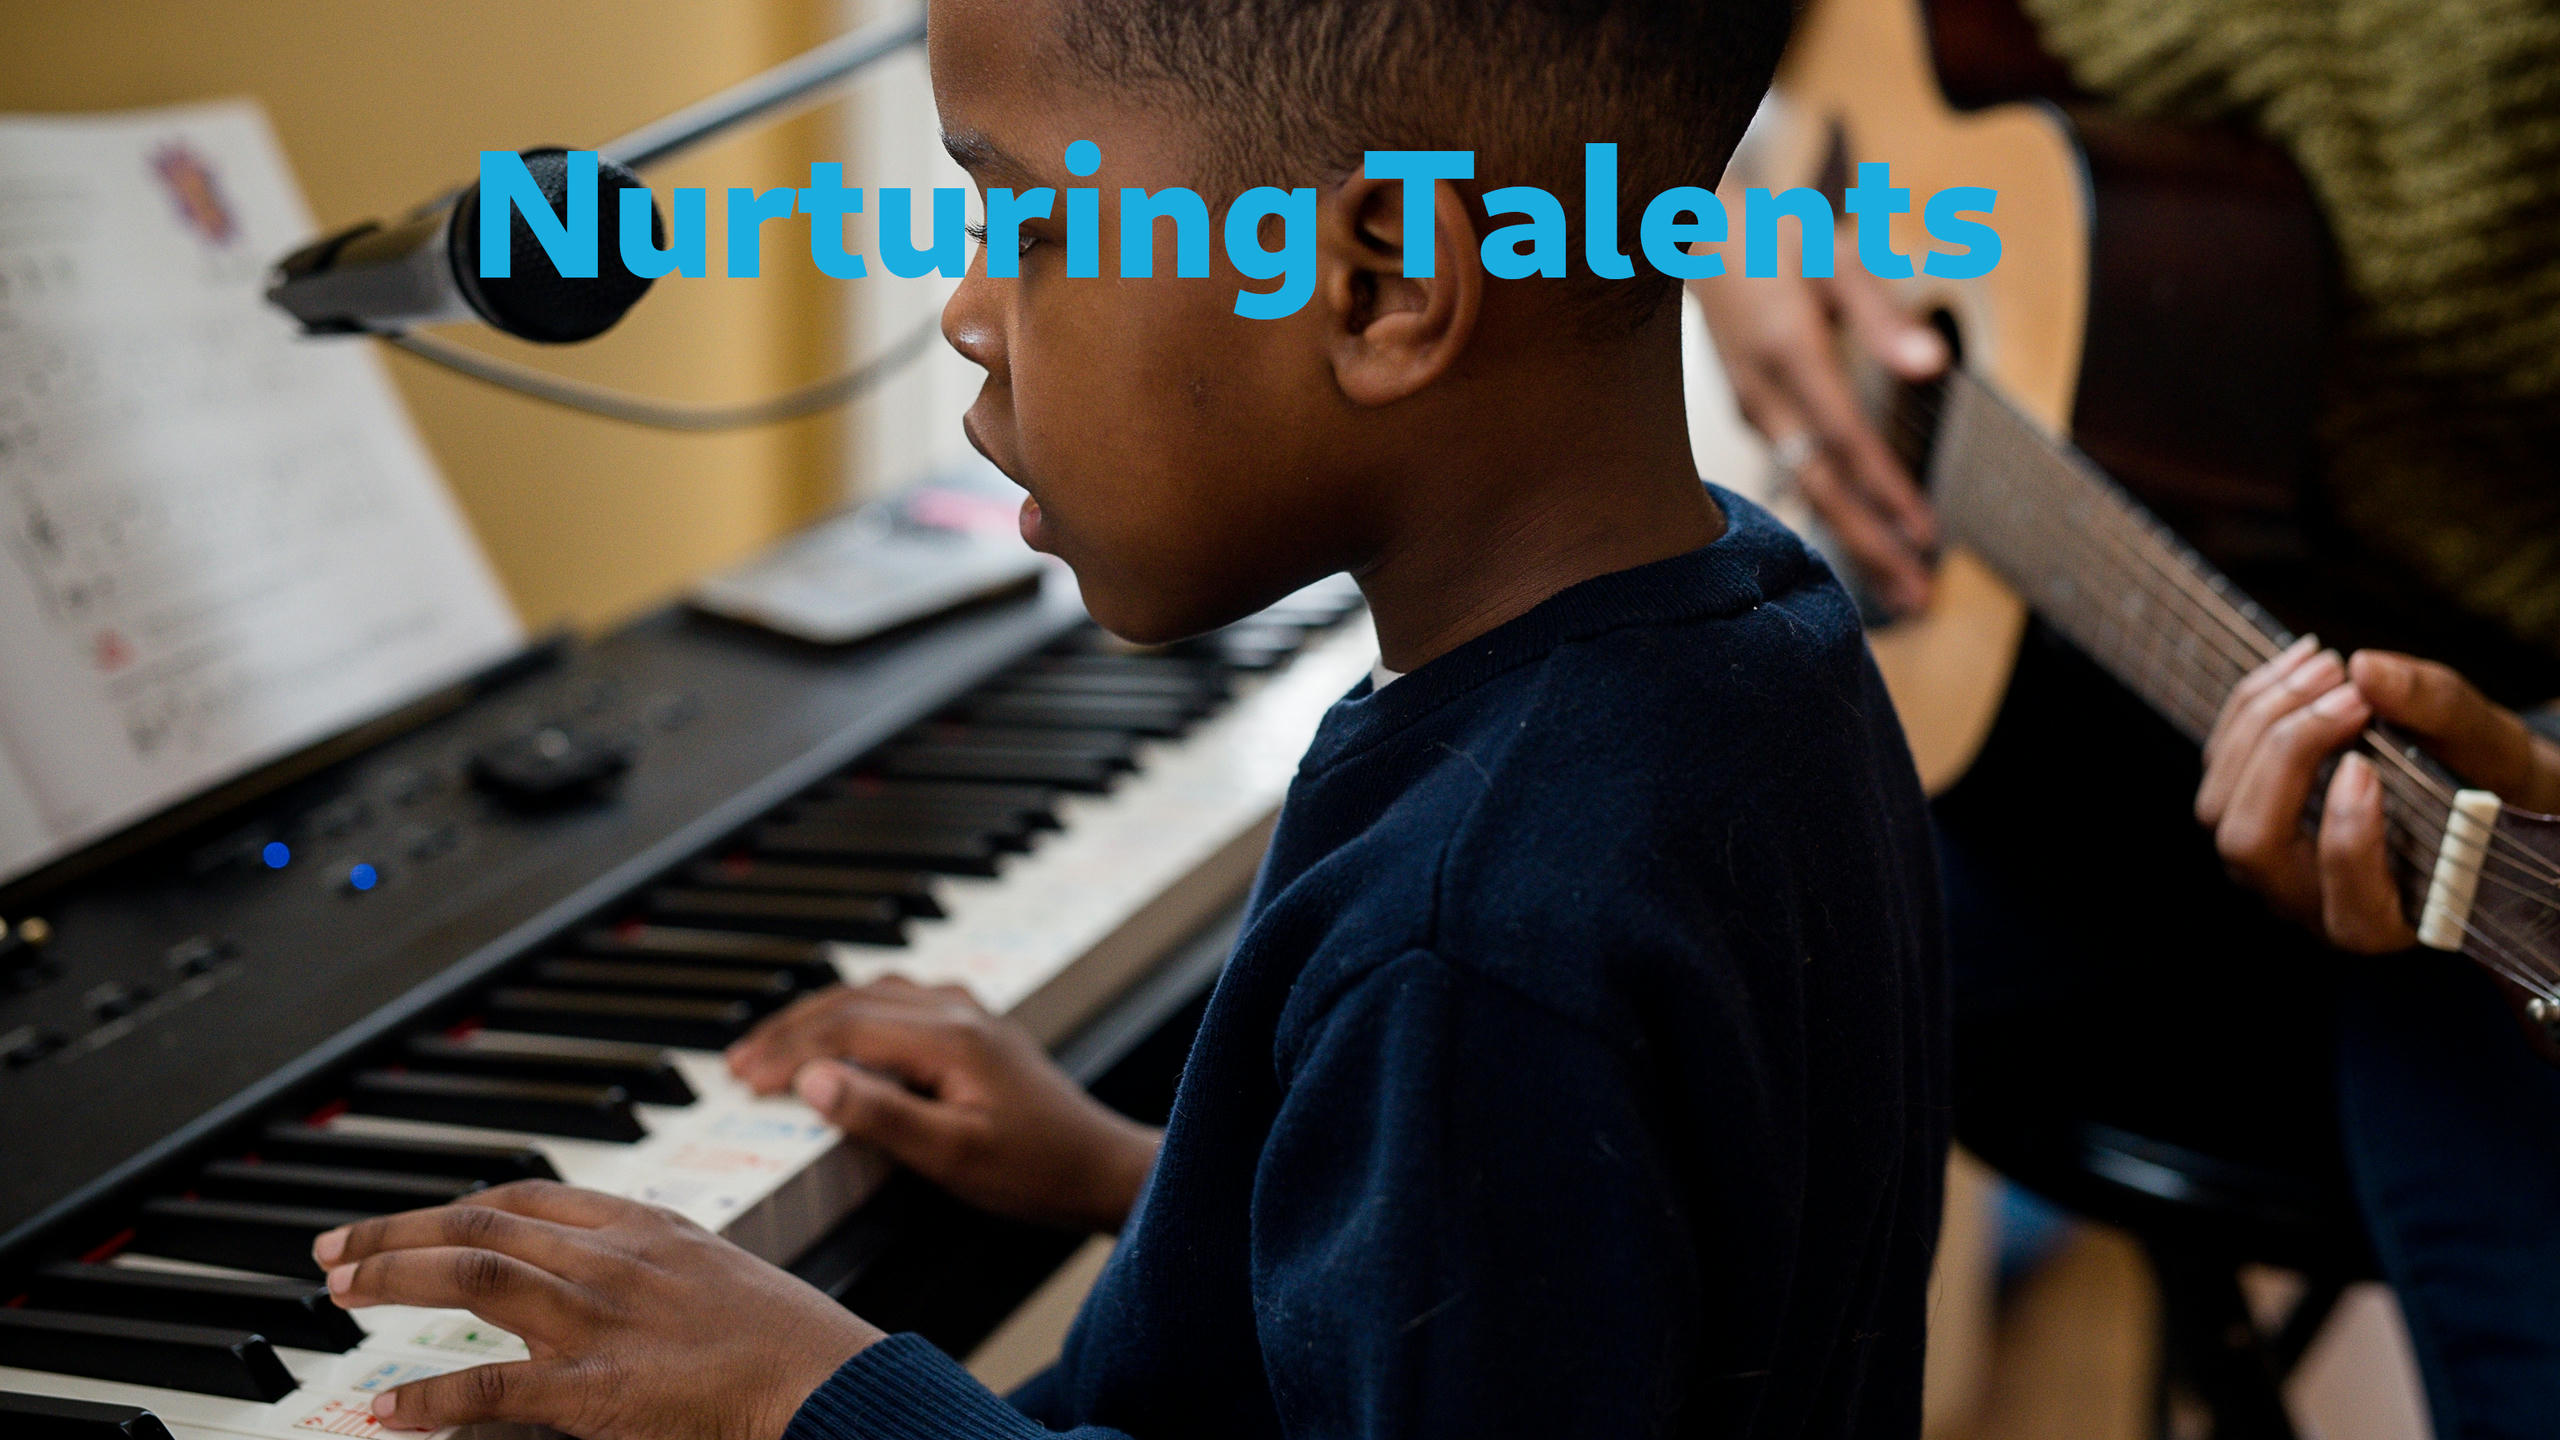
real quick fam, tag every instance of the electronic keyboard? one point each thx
(512, 943)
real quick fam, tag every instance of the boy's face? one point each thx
(1190, 464)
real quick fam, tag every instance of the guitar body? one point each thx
(2159, 299)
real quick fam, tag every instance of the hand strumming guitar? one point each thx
(2284, 721)
(1778, 339)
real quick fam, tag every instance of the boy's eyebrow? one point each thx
(980, 155)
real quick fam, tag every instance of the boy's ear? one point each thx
(1393, 335)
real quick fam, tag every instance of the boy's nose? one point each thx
(970, 323)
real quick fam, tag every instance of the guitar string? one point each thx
(2251, 634)
(2204, 594)
(2224, 620)
(2494, 857)
(2199, 711)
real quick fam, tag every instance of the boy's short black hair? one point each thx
(1284, 90)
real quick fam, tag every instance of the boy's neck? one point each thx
(1554, 485)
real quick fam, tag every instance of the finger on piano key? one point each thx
(250, 1235)
(805, 959)
(912, 891)
(1036, 805)
(644, 1070)
(856, 919)
(45, 1417)
(684, 1022)
(495, 1163)
(329, 1187)
(531, 1107)
(925, 760)
(202, 1358)
(952, 852)
(288, 1312)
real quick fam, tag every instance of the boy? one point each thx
(1579, 1067)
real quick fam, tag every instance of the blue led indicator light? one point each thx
(363, 877)
(277, 854)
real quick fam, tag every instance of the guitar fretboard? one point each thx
(2098, 567)
(2093, 562)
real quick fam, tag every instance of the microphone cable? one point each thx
(553, 389)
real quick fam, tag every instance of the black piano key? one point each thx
(805, 959)
(952, 852)
(1095, 675)
(49, 1417)
(201, 1358)
(765, 989)
(1116, 747)
(644, 1070)
(1138, 715)
(1036, 803)
(863, 919)
(237, 1234)
(288, 1312)
(1067, 771)
(536, 1107)
(330, 1187)
(1009, 829)
(692, 1024)
(494, 1163)
(914, 892)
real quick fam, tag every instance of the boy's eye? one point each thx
(978, 232)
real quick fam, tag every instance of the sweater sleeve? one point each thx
(1461, 1226)
(1464, 1226)
(905, 1389)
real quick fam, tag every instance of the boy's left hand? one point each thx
(643, 1325)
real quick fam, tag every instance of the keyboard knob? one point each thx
(548, 767)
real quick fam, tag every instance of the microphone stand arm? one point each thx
(789, 86)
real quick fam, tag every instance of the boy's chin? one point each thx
(1145, 616)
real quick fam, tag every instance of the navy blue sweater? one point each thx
(1579, 1070)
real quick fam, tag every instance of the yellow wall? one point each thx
(381, 103)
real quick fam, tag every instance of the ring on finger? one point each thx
(1788, 455)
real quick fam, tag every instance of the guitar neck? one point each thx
(2098, 567)
(2092, 562)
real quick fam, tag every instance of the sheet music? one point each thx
(219, 541)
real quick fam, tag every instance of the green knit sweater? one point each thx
(2430, 130)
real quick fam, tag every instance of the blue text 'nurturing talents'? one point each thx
(1675, 234)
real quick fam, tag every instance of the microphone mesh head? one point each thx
(535, 301)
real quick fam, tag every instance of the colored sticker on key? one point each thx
(392, 1374)
(340, 1417)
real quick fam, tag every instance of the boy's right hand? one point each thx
(967, 1100)
(1775, 336)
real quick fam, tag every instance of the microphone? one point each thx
(373, 278)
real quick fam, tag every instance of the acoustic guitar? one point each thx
(2161, 299)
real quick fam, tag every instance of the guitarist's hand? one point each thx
(1778, 340)
(2287, 718)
